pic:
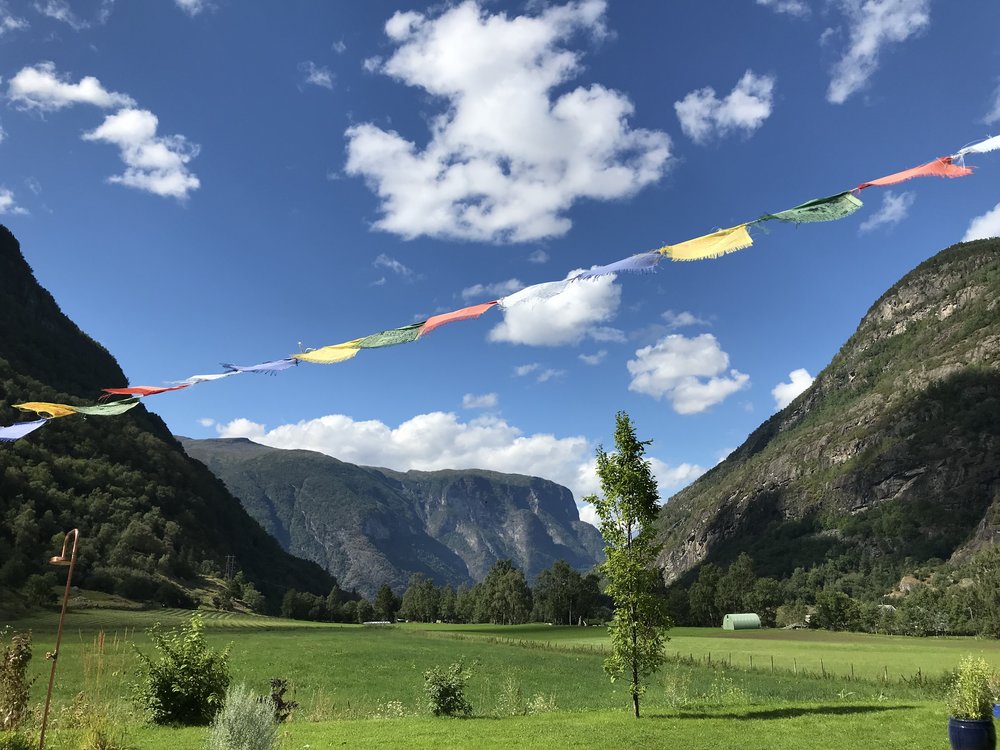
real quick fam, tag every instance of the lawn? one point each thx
(363, 686)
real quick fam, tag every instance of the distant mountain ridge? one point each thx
(368, 526)
(148, 515)
(890, 458)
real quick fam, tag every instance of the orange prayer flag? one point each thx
(942, 167)
(466, 313)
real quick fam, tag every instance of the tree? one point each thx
(734, 586)
(386, 603)
(627, 511)
(503, 598)
(703, 597)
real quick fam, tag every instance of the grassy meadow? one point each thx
(363, 686)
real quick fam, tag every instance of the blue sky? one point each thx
(201, 182)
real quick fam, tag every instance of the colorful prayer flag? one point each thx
(942, 167)
(329, 355)
(990, 144)
(711, 245)
(19, 430)
(639, 263)
(44, 409)
(466, 313)
(142, 390)
(268, 368)
(112, 409)
(830, 208)
(195, 379)
(403, 335)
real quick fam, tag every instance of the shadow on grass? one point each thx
(790, 712)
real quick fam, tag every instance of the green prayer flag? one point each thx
(821, 209)
(403, 335)
(112, 409)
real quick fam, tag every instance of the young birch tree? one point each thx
(627, 511)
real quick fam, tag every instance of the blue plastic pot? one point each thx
(970, 734)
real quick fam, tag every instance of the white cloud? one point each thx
(559, 312)
(690, 372)
(792, 7)
(206, 422)
(669, 479)
(548, 374)
(33, 185)
(784, 393)
(513, 149)
(41, 87)
(492, 291)
(316, 75)
(8, 205)
(485, 401)
(994, 114)
(893, 210)
(339, 47)
(384, 261)
(193, 7)
(60, 10)
(538, 256)
(595, 358)
(522, 370)
(3, 134)
(156, 164)
(872, 24)
(440, 440)
(704, 116)
(9, 22)
(683, 319)
(985, 226)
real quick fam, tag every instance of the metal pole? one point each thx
(60, 559)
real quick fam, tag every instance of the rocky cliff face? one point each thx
(892, 453)
(371, 526)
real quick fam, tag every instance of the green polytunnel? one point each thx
(741, 621)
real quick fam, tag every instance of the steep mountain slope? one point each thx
(148, 515)
(890, 458)
(370, 526)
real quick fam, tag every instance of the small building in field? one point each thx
(743, 621)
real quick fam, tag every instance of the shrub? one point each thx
(15, 687)
(102, 733)
(17, 741)
(186, 683)
(282, 708)
(245, 723)
(445, 690)
(971, 693)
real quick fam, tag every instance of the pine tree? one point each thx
(627, 511)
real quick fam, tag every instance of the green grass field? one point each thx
(363, 687)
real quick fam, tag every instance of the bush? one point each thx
(445, 690)
(246, 722)
(15, 687)
(187, 682)
(282, 707)
(971, 692)
(17, 741)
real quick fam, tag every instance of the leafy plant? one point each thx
(15, 687)
(445, 689)
(16, 741)
(971, 692)
(244, 723)
(282, 708)
(186, 683)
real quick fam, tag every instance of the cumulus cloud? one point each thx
(485, 401)
(156, 164)
(683, 319)
(985, 226)
(492, 291)
(316, 75)
(560, 312)
(704, 116)
(339, 47)
(538, 256)
(894, 209)
(785, 393)
(594, 359)
(193, 7)
(690, 372)
(522, 370)
(40, 87)
(60, 10)
(792, 7)
(384, 261)
(8, 205)
(872, 25)
(513, 149)
(8, 22)
(206, 422)
(993, 115)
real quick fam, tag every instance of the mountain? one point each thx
(890, 459)
(149, 516)
(370, 526)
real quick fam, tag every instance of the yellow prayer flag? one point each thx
(329, 355)
(49, 411)
(711, 245)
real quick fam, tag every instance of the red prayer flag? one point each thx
(466, 313)
(142, 390)
(942, 167)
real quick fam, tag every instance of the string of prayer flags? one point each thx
(19, 430)
(639, 263)
(112, 409)
(195, 379)
(983, 147)
(142, 390)
(534, 293)
(711, 245)
(941, 167)
(329, 355)
(466, 313)
(47, 410)
(268, 368)
(392, 337)
(831, 208)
